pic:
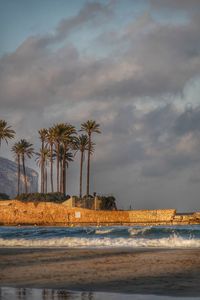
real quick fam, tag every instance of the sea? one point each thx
(101, 237)
(174, 237)
(7, 293)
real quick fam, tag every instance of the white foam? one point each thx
(103, 231)
(136, 231)
(73, 242)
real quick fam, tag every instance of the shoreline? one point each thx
(71, 225)
(129, 271)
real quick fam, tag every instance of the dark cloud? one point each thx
(159, 121)
(188, 122)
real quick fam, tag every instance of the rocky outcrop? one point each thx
(8, 178)
(15, 212)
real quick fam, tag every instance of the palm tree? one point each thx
(89, 127)
(65, 158)
(58, 130)
(67, 140)
(16, 149)
(82, 145)
(6, 132)
(50, 141)
(25, 149)
(43, 135)
(43, 157)
(63, 134)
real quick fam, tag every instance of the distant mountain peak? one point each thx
(8, 178)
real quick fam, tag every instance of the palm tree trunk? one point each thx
(45, 176)
(42, 169)
(61, 176)
(64, 169)
(51, 167)
(41, 183)
(24, 171)
(81, 174)
(18, 174)
(64, 177)
(88, 167)
(58, 165)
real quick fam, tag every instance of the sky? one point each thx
(131, 65)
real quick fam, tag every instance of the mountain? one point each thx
(8, 178)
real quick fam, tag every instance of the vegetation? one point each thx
(59, 145)
(82, 145)
(4, 196)
(6, 133)
(89, 127)
(42, 134)
(42, 197)
(108, 203)
(23, 149)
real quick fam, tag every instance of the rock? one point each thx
(8, 178)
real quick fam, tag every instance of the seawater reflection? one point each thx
(7, 293)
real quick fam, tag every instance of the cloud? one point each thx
(191, 5)
(131, 90)
(89, 12)
(163, 58)
(188, 122)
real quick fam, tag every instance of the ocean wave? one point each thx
(104, 231)
(138, 231)
(72, 242)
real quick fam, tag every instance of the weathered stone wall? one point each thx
(15, 212)
(148, 216)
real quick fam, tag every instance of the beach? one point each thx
(174, 272)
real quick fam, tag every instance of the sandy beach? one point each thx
(149, 271)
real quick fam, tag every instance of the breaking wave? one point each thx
(171, 242)
(121, 236)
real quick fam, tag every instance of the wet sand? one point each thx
(149, 271)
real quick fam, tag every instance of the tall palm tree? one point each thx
(16, 149)
(65, 158)
(43, 157)
(67, 140)
(51, 141)
(63, 134)
(81, 145)
(24, 149)
(43, 135)
(59, 130)
(6, 132)
(89, 127)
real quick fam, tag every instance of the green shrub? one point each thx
(108, 203)
(4, 196)
(42, 197)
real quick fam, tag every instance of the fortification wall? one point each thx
(14, 212)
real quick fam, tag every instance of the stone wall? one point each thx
(15, 212)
